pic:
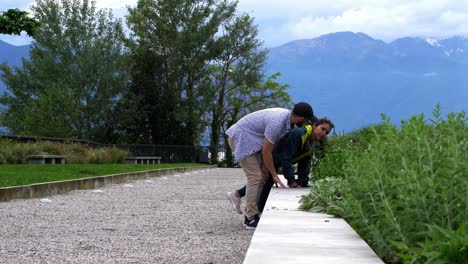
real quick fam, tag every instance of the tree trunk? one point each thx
(228, 153)
(214, 139)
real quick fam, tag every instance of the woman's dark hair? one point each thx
(322, 143)
(324, 120)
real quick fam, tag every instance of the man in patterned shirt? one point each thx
(252, 139)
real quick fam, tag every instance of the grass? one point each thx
(24, 174)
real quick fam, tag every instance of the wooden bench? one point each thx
(143, 160)
(46, 159)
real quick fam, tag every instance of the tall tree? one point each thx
(14, 21)
(172, 44)
(75, 75)
(237, 78)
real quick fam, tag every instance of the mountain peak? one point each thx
(410, 40)
(433, 42)
(333, 41)
(346, 70)
(346, 35)
(4, 45)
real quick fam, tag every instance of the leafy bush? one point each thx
(76, 153)
(16, 153)
(11, 153)
(442, 246)
(117, 155)
(97, 156)
(105, 155)
(339, 149)
(324, 196)
(407, 187)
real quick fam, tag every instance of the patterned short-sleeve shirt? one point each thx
(250, 131)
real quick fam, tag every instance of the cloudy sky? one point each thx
(281, 21)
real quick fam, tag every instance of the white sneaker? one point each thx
(235, 201)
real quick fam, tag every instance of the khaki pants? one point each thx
(255, 181)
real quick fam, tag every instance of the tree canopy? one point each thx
(75, 75)
(14, 21)
(185, 69)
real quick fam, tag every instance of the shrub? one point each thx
(45, 147)
(75, 152)
(16, 153)
(441, 246)
(406, 192)
(11, 152)
(324, 196)
(96, 156)
(117, 155)
(338, 151)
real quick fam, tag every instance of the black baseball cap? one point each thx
(303, 109)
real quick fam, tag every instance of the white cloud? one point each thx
(115, 3)
(16, 40)
(378, 22)
(281, 21)
(384, 19)
(8, 4)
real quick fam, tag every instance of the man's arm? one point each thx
(267, 156)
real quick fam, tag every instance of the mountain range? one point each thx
(352, 78)
(12, 54)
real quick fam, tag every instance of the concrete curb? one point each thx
(286, 234)
(51, 188)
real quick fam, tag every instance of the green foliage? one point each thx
(237, 70)
(172, 44)
(407, 187)
(324, 196)
(14, 21)
(74, 78)
(332, 164)
(96, 157)
(186, 65)
(16, 153)
(339, 149)
(105, 155)
(441, 246)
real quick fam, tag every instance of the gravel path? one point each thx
(183, 218)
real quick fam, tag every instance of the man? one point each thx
(253, 138)
(297, 146)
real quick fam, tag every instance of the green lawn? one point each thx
(14, 175)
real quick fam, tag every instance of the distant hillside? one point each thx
(352, 78)
(12, 56)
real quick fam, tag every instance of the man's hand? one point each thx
(277, 180)
(267, 156)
